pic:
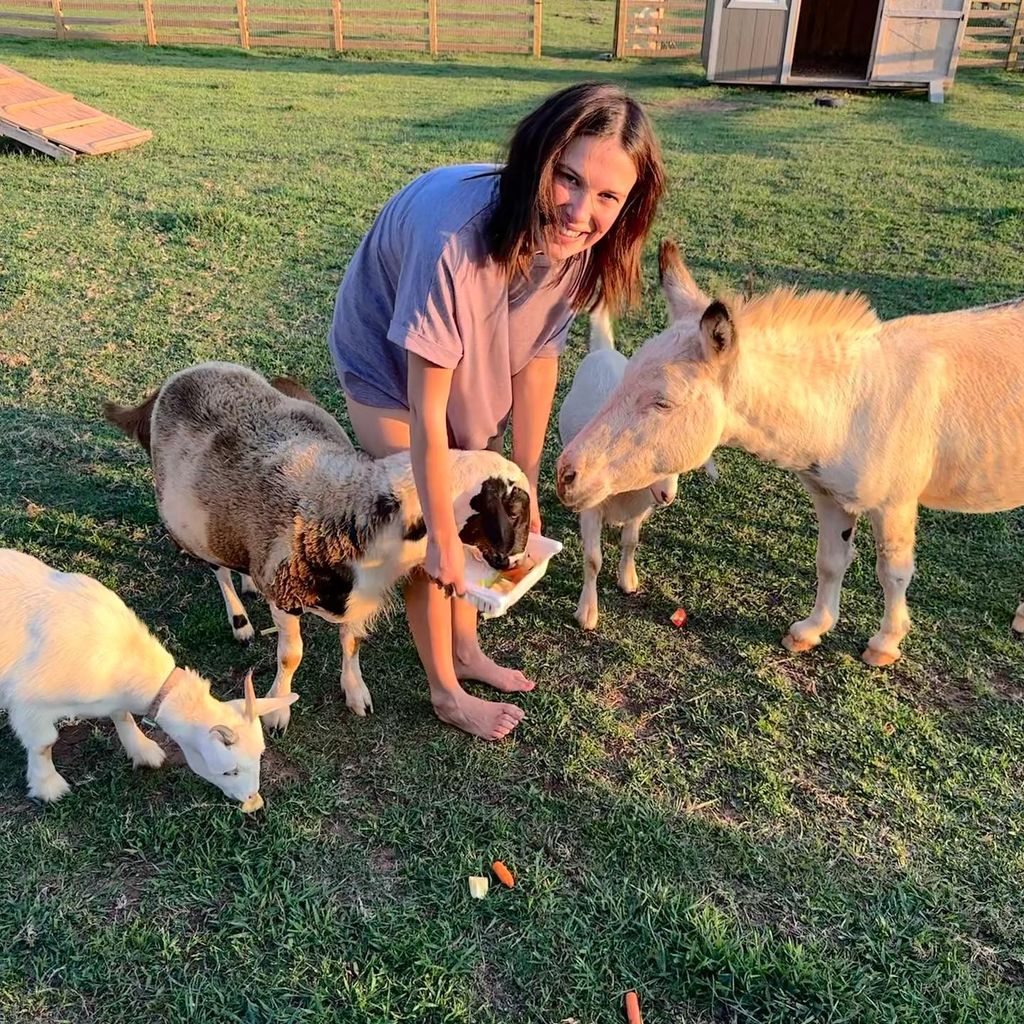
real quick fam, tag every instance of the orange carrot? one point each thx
(633, 1008)
(504, 875)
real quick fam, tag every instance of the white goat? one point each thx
(71, 648)
(256, 477)
(596, 378)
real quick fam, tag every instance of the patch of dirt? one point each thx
(703, 106)
(1007, 688)
(70, 748)
(278, 769)
(12, 360)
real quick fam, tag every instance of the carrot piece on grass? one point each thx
(504, 875)
(633, 1008)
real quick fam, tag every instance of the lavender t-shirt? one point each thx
(422, 281)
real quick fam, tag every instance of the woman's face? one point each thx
(593, 178)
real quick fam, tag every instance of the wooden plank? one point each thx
(17, 16)
(619, 46)
(119, 142)
(262, 28)
(10, 108)
(200, 25)
(58, 19)
(338, 26)
(147, 10)
(294, 42)
(432, 25)
(26, 33)
(243, 24)
(36, 141)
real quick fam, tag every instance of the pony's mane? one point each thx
(785, 311)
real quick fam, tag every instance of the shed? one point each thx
(846, 44)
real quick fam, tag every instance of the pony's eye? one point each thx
(233, 772)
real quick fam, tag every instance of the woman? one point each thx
(451, 318)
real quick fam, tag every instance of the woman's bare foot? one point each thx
(476, 665)
(475, 716)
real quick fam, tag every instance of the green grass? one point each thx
(738, 834)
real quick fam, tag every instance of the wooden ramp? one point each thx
(56, 123)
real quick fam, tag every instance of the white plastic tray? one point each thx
(492, 603)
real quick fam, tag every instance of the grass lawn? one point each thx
(737, 833)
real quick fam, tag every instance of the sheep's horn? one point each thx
(250, 698)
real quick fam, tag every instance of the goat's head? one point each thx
(222, 741)
(492, 506)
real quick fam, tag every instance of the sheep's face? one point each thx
(493, 510)
(228, 753)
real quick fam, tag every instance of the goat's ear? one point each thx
(265, 705)
(224, 734)
(717, 331)
(250, 698)
(682, 295)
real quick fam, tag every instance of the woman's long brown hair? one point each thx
(525, 202)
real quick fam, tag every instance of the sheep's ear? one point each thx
(250, 698)
(224, 734)
(682, 295)
(717, 330)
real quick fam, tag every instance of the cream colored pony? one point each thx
(874, 417)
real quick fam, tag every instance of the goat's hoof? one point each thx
(1018, 625)
(795, 645)
(277, 721)
(879, 659)
(243, 634)
(587, 617)
(629, 584)
(148, 757)
(50, 789)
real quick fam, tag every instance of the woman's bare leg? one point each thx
(431, 614)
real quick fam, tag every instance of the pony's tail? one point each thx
(135, 422)
(601, 333)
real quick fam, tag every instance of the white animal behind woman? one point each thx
(595, 379)
(874, 417)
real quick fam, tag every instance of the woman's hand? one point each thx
(446, 563)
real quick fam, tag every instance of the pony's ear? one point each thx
(681, 292)
(717, 330)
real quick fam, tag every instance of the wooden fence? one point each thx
(432, 26)
(994, 37)
(658, 28)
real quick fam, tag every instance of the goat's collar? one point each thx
(175, 677)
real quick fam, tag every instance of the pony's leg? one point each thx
(894, 545)
(1018, 619)
(248, 587)
(38, 737)
(144, 752)
(628, 580)
(238, 620)
(836, 528)
(357, 696)
(289, 656)
(590, 535)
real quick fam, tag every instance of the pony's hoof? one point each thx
(878, 659)
(797, 646)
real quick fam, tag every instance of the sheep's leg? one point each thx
(38, 737)
(144, 752)
(894, 530)
(357, 696)
(241, 627)
(629, 582)
(289, 656)
(836, 528)
(590, 535)
(248, 587)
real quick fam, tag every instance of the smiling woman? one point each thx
(450, 320)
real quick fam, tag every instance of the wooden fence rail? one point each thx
(994, 37)
(434, 26)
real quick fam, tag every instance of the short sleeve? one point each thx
(425, 319)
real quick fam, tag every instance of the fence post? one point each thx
(538, 25)
(619, 46)
(339, 35)
(58, 19)
(147, 9)
(432, 26)
(1016, 39)
(243, 23)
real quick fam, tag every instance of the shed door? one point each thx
(918, 40)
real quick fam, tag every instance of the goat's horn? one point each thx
(250, 698)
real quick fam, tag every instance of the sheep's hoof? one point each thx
(796, 645)
(879, 659)
(50, 789)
